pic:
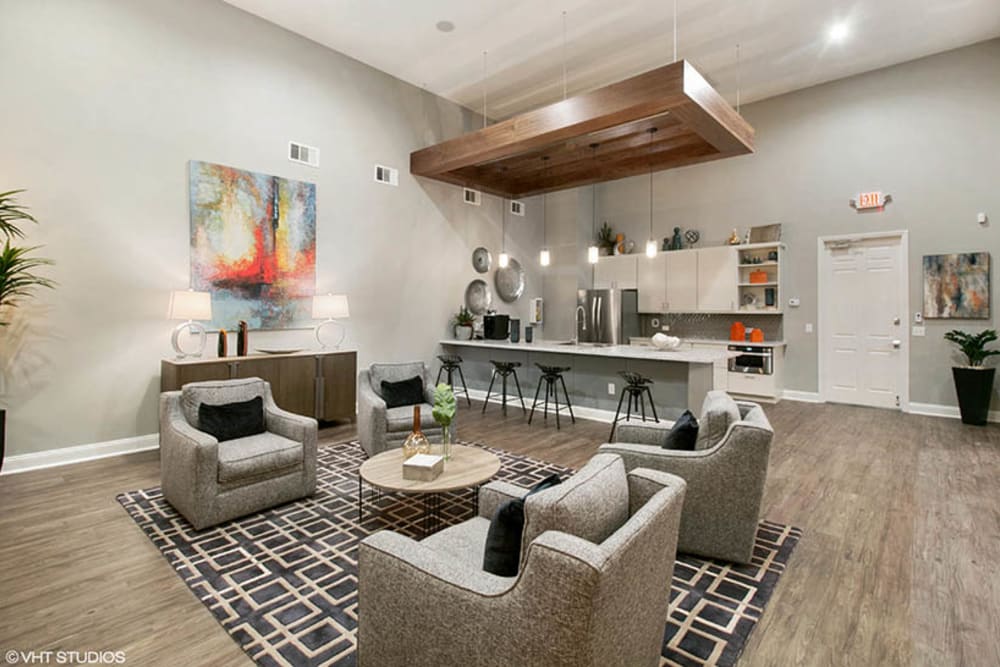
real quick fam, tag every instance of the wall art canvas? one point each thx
(253, 246)
(957, 286)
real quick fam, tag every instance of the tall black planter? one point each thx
(974, 387)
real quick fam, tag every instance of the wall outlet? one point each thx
(919, 331)
(794, 302)
(665, 327)
(809, 327)
(611, 388)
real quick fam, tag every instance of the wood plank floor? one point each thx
(898, 564)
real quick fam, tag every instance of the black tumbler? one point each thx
(528, 333)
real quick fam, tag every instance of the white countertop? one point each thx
(611, 351)
(717, 341)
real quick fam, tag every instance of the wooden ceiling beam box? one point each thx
(694, 123)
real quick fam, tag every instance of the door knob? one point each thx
(896, 344)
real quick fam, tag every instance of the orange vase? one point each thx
(737, 332)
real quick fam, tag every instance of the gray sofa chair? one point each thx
(380, 428)
(725, 474)
(208, 481)
(593, 588)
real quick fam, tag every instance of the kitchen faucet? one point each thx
(578, 321)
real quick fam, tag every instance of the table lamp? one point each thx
(190, 306)
(329, 308)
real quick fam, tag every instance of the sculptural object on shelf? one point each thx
(677, 243)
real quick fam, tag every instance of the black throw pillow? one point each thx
(404, 392)
(684, 434)
(232, 420)
(503, 540)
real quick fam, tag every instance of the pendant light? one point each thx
(592, 252)
(651, 244)
(504, 259)
(545, 257)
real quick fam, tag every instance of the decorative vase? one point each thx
(515, 330)
(446, 442)
(677, 243)
(529, 333)
(974, 386)
(463, 332)
(223, 345)
(416, 442)
(241, 339)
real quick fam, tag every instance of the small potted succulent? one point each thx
(974, 382)
(463, 321)
(606, 239)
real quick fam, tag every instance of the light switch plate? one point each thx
(611, 388)
(918, 318)
(809, 327)
(919, 331)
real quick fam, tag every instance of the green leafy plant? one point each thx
(606, 237)
(18, 279)
(464, 317)
(973, 346)
(444, 405)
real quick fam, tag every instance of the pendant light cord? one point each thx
(484, 89)
(739, 75)
(564, 52)
(545, 210)
(675, 30)
(652, 131)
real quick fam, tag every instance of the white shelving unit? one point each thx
(754, 297)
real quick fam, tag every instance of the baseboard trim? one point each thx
(949, 411)
(79, 453)
(592, 414)
(801, 396)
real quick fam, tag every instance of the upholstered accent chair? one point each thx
(593, 588)
(381, 428)
(208, 481)
(725, 474)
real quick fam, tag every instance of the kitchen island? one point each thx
(681, 378)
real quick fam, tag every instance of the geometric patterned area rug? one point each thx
(283, 583)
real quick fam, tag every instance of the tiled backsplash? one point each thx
(703, 325)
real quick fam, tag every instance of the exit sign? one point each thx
(868, 201)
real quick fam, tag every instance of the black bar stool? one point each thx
(552, 377)
(504, 369)
(637, 388)
(449, 364)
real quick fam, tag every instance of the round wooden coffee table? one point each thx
(468, 467)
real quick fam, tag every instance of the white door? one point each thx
(682, 281)
(652, 283)
(862, 309)
(718, 275)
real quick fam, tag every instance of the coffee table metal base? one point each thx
(431, 519)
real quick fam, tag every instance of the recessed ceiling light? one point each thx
(445, 26)
(838, 32)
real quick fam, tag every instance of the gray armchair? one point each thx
(593, 589)
(725, 474)
(381, 428)
(208, 481)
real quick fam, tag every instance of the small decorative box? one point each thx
(423, 467)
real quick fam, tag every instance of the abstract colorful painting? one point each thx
(957, 286)
(253, 246)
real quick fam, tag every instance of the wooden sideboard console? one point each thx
(320, 383)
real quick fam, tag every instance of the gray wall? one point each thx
(925, 131)
(104, 102)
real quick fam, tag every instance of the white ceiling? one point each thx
(784, 43)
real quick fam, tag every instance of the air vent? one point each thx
(472, 197)
(516, 207)
(386, 175)
(303, 154)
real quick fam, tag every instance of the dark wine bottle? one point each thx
(241, 340)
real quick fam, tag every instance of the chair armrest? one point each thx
(175, 429)
(643, 434)
(288, 424)
(644, 483)
(494, 494)
(189, 459)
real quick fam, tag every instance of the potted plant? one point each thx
(606, 239)
(18, 279)
(444, 414)
(463, 321)
(974, 382)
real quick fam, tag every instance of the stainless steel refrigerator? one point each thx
(609, 316)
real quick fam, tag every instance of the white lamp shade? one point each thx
(544, 257)
(503, 260)
(330, 306)
(651, 248)
(190, 305)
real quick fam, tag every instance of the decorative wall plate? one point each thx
(478, 297)
(481, 260)
(510, 281)
(692, 236)
(279, 350)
